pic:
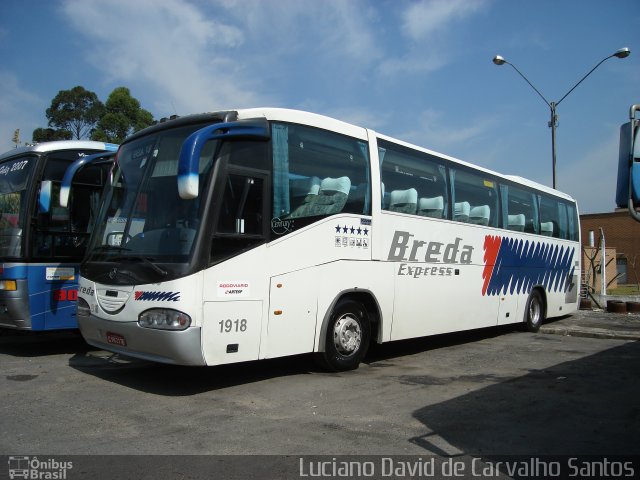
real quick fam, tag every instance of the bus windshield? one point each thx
(143, 219)
(14, 178)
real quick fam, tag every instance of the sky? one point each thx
(417, 70)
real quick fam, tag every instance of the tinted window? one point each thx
(317, 173)
(551, 223)
(412, 182)
(520, 209)
(475, 198)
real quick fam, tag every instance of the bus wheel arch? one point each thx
(348, 327)
(535, 310)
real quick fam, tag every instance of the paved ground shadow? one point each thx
(41, 344)
(588, 406)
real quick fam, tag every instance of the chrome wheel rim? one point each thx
(347, 335)
(535, 311)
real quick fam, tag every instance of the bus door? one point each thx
(232, 322)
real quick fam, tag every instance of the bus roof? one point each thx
(328, 123)
(321, 121)
(60, 145)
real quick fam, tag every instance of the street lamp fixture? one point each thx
(553, 122)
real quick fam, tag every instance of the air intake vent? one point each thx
(112, 301)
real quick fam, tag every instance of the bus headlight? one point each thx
(8, 285)
(82, 308)
(164, 319)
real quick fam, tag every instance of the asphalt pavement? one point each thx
(596, 323)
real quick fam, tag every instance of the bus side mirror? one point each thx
(635, 169)
(44, 200)
(69, 174)
(189, 161)
(622, 188)
(628, 186)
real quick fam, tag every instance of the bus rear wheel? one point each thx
(347, 338)
(534, 312)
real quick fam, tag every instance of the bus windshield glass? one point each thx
(14, 178)
(143, 218)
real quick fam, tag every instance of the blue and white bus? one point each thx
(261, 233)
(41, 244)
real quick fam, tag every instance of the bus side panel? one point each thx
(425, 305)
(293, 306)
(438, 271)
(231, 331)
(347, 278)
(523, 262)
(53, 292)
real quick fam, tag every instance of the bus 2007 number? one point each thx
(229, 325)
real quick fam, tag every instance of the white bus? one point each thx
(261, 233)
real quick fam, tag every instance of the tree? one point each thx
(16, 137)
(76, 111)
(123, 116)
(49, 134)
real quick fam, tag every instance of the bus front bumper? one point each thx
(128, 338)
(14, 307)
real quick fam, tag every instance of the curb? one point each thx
(590, 333)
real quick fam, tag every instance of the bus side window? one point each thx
(241, 210)
(573, 224)
(550, 217)
(317, 173)
(475, 198)
(520, 209)
(412, 182)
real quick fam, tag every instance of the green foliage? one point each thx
(9, 209)
(123, 116)
(50, 134)
(78, 113)
(76, 110)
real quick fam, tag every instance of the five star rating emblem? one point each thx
(352, 230)
(352, 235)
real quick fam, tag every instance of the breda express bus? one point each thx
(251, 234)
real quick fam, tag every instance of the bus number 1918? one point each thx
(228, 326)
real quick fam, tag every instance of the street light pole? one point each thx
(553, 122)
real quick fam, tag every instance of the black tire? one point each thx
(534, 312)
(347, 337)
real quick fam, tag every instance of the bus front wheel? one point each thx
(347, 338)
(534, 312)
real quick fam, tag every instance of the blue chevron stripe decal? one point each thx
(516, 266)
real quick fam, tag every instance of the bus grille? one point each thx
(112, 301)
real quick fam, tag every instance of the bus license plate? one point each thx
(116, 339)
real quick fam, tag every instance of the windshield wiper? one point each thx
(146, 260)
(102, 248)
